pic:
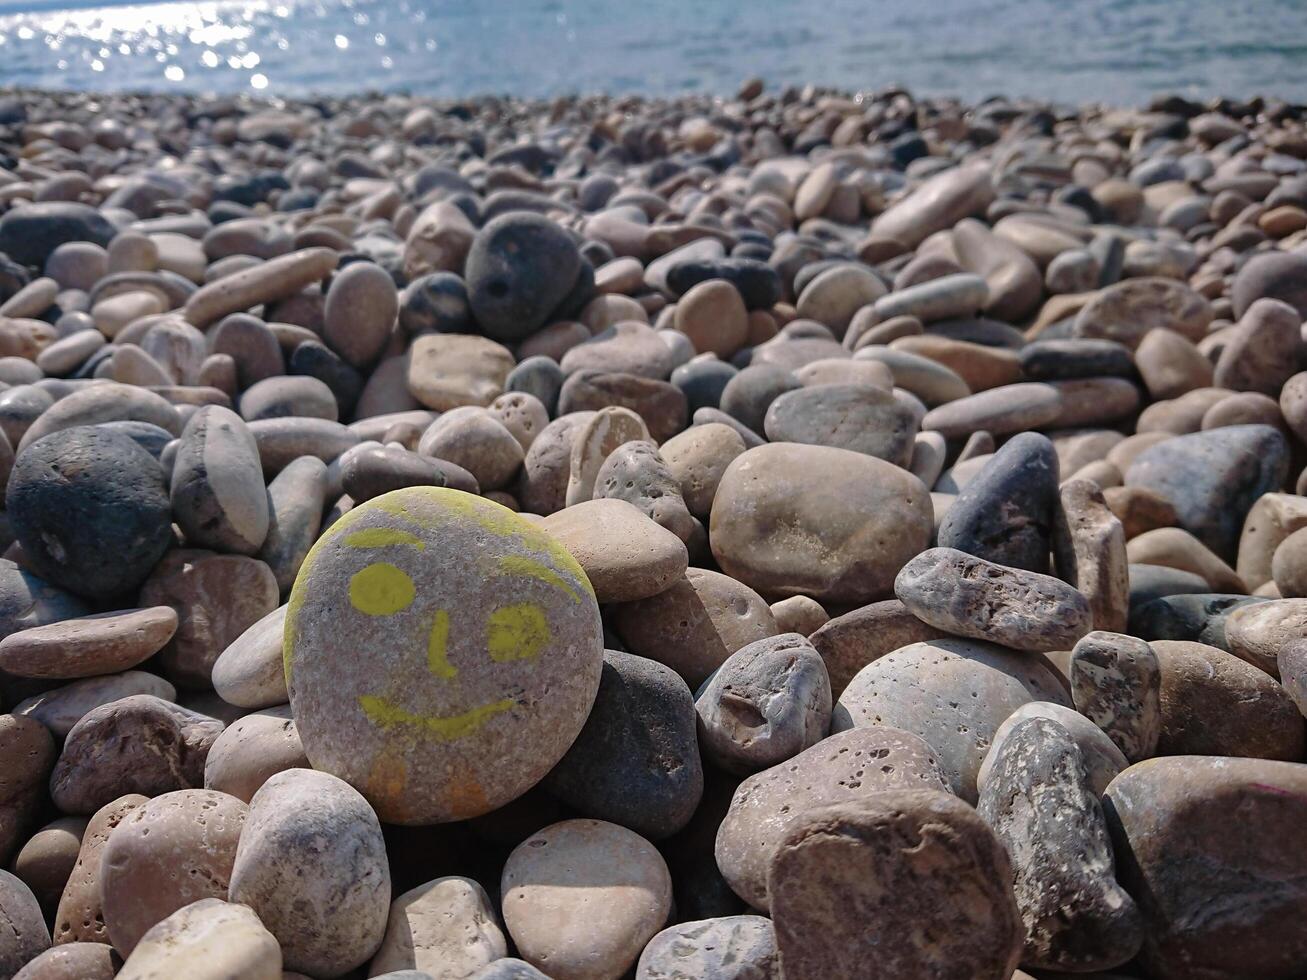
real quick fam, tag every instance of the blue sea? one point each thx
(1114, 51)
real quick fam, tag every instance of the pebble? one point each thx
(80, 916)
(972, 597)
(63, 707)
(519, 269)
(625, 555)
(1041, 804)
(769, 701)
(799, 614)
(445, 928)
(89, 646)
(1090, 552)
(1186, 826)
(696, 623)
(249, 671)
(1212, 479)
(359, 313)
(217, 598)
(1102, 759)
(83, 494)
(852, 880)
(25, 934)
(1127, 311)
(207, 940)
(849, 765)
(980, 683)
(527, 665)
(856, 417)
(47, 860)
(252, 749)
(1213, 703)
(73, 961)
(636, 761)
(449, 370)
(137, 744)
(636, 473)
(697, 458)
(1005, 513)
(712, 314)
(1257, 632)
(166, 854)
(582, 898)
(825, 522)
(733, 947)
(999, 411)
(1116, 683)
(315, 830)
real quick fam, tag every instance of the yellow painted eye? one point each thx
(381, 589)
(517, 632)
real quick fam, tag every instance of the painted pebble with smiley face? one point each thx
(442, 653)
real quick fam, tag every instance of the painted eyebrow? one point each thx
(382, 537)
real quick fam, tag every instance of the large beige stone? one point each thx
(812, 520)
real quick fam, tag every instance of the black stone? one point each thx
(1061, 360)
(90, 509)
(758, 284)
(703, 382)
(13, 277)
(1213, 478)
(1150, 582)
(520, 267)
(636, 761)
(748, 395)
(29, 234)
(249, 190)
(1199, 617)
(1005, 514)
(540, 376)
(316, 360)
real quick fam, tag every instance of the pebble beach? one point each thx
(796, 534)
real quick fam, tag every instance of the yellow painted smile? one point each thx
(386, 715)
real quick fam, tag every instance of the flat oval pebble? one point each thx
(498, 659)
(855, 417)
(1000, 411)
(88, 646)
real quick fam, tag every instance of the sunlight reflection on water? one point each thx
(1113, 50)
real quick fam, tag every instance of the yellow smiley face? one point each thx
(383, 594)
